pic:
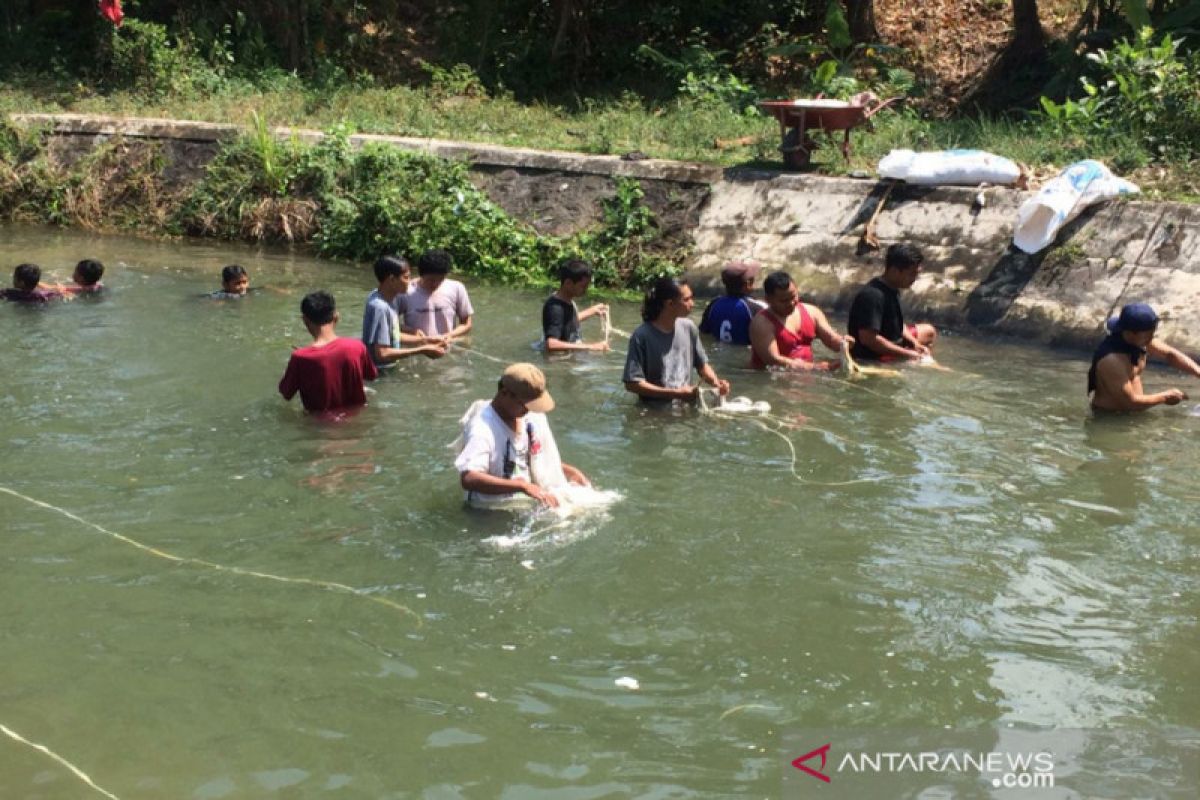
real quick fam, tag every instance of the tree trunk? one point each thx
(1027, 28)
(860, 15)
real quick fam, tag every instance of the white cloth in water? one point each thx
(712, 402)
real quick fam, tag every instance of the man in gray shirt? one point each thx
(665, 348)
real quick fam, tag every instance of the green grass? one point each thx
(681, 130)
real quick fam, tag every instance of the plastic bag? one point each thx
(963, 167)
(1061, 200)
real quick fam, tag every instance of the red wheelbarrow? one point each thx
(798, 117)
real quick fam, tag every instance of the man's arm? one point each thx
(386, 355)
(1176, 358)
(652, 391)
(1115, 382)
(575, 475)
(559, 346)
(588, 313)
(289, 384)
(462, 329)
(870, 339)
(486, 483)
(710, 377)
(554, 323)
(825, 331)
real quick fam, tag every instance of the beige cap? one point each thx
(528, 384)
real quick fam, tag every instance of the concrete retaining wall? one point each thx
(811, 226)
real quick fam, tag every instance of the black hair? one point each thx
(387, 266)
(435, 262)
(318, 307)
(775, 282)
(663, 290)
(902, 256)
(232, 272)
(27, 276)
(90, 270)
(574, 270)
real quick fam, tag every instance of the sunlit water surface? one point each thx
(963, 549)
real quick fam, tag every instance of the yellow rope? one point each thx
(46, 750)
(199, 562)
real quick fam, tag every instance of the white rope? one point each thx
(47, 751)
(154, 551)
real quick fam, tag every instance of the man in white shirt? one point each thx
(509, 442)
(436, 306)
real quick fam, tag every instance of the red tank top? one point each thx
(791, 345)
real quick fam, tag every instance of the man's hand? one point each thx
(541, 495)
(722, 387)
(1174, 397)
(599, 347)
(435, 350)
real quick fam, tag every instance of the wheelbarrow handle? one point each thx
(867, 115)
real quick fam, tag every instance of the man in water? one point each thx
(728, 317)
(502, 443)
(1115, 377)
(782, 334)
(329, 373)
(876, 322)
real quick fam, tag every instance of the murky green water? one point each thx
(1008, 560)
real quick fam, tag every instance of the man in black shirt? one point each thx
(876, 321)
(560, 317)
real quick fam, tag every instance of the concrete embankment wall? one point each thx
(811, 226)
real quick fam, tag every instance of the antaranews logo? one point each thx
(1020, 770)
(821, 751)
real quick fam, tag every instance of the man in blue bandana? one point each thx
(1115, 379)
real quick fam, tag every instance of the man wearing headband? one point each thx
(1115, 378)
(502, 444)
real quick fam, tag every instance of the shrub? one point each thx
(1145, 91)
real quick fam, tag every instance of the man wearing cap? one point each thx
(782, 334)
(505, 441)
(728, 317)
(1115, 377)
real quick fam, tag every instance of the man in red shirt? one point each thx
(329, 374)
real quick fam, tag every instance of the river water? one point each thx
(964, 550)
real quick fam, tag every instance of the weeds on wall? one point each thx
(351, 203)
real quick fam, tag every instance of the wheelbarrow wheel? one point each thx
(797, 149)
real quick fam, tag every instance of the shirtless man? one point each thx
(1115, 378)
(781, 335)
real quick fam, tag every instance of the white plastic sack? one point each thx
(963, 167)
(1061, 200)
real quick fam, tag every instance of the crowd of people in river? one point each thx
(501, 440)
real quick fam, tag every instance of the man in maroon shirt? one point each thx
(328, 374)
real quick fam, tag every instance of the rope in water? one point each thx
(47, 751)
(199, 562)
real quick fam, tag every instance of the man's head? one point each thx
(522, 389)
(902, 265)
(1136, 324)
(234, 279)
(88, 272)
(393, 273)
(781, 293)
(574, 275)
(667, 294)
(433, 266)
(739, 277)
(319, 309)
(26, 277)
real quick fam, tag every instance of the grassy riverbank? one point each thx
(681, 129)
